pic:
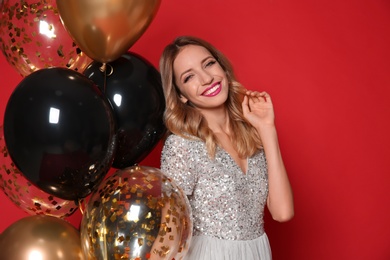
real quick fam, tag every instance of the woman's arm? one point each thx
(258, 110)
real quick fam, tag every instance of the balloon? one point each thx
(41, 237)
(134, 88)
(137, 213)
(60, 132)
(106, 29)
(26, 195)
(32, 37)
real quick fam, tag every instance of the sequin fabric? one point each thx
(226, 203)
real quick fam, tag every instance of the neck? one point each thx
(218, 120)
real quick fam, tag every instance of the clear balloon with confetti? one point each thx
(137, 213)
(32, 37)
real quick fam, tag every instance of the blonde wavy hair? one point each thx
(185, 120)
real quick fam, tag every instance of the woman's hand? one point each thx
(258, 109)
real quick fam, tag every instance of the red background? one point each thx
(327, 66)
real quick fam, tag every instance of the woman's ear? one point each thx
(183, 99)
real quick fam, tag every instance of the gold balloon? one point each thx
(41, 237)
(106, 29)
(32, 37)
(137, 213)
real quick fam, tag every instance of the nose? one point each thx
(206, 78)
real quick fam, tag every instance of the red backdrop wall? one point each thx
(327, 66)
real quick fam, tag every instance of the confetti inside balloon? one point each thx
(32, 37)
(24, 194)
(137, 213)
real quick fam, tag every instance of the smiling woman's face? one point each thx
(200, 78)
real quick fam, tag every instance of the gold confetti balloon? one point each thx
(32, 37)
(137, 213)
(24, 194)
(41, 238)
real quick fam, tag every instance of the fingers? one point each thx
(256, 96)
(245, 105)
(251, 98)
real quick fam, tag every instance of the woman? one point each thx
(222, 150)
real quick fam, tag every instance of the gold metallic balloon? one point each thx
(24, 194)
(137, 213)
(41, 237)
(32, 37)
(106, 29)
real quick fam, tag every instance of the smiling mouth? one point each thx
(213, 90)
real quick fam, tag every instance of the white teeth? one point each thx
(208, 92)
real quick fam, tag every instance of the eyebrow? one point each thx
(202, 61)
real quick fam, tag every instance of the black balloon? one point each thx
(133, 85)
(59, 129)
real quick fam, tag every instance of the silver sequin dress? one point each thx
(227, 205)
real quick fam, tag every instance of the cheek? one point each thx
(185, 91)
(223, 75)
(190, 88)
(226, 82)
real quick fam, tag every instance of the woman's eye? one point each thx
(187, 78)
(211, 62)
